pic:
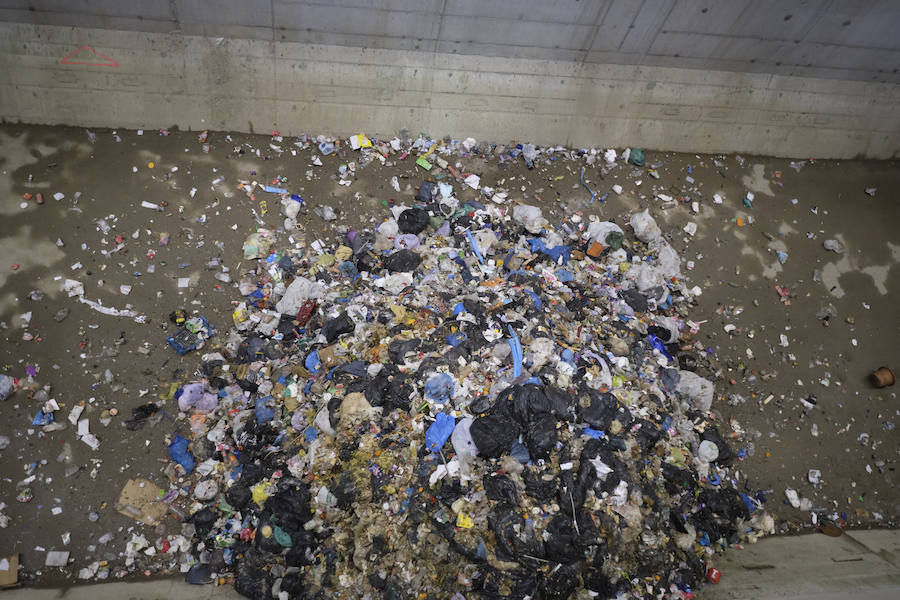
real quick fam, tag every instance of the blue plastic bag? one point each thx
(42, 418)
(657, 343)
(439, 388)
(439, 432)
(590, 432)
(555, 253)
(312, 363)
(264, 414)
(179, 452)
(455, 339)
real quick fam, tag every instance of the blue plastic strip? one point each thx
(516, 348)
(593, 195)
(474, 246)
(535, 297)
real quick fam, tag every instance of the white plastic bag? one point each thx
(300, 290)
(529, 217)
(645, 227)
(599, 230)
(696, 389)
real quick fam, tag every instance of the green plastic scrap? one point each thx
(281, 536)
(226, 508)
(636, 157)
(614, 239)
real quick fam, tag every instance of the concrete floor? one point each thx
(849, 434)
(861, 564)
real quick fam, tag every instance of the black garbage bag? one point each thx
(677, 480)
(663, 334)
(298, 556)
(238, 496)
(562, 404)
(287, 266)
(647, 435)
(287, 328)
(203, 521)
(353, 369)
(332, 329)
(292, 583)
(513, 405)
(712, 434)
(139, 416)
(345, 491)
(604, 409)
(593, 577)
(462, 351)
(366, 261)
(561, 540)
(534, 399)
(636, 300)
(248, 384)
(561, 583)
(515, 541)
(493, 435)
(291, 505)
(144, 411)
(427, 192)
(273, 350)
(199, 574)
(480, 405)
(614, 470)
(251, 472)
(542, 487)
(250, 349)
(389, 388)
(334, 405)
(202, 448)
(413, 220)
(541, 437)
(724, 502)
(250, 582)
(501, 489)
(217, 383)
(669, 378)
(212, 368)
(397, 349)
(475, 308)
(706, 522)
(402, 261)
(255, 436)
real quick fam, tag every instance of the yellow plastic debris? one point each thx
(464, 520)
(260, 492)
(360, 141)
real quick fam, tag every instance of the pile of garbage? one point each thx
(464, 402)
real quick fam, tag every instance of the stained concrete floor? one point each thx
(860, 564)
(791, 405)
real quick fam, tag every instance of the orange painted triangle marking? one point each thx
(93, 53)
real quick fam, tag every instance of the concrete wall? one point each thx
(790, 78)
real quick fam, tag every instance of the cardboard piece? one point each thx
(140, 500)
(9, 577)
